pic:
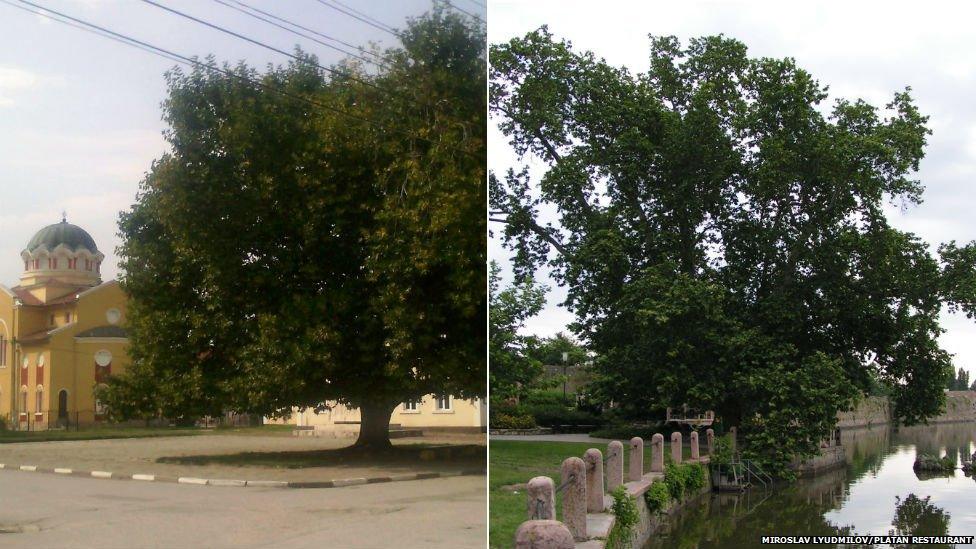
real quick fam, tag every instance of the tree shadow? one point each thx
(406, 456)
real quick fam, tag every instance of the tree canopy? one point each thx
(314, 239)
(513, 367)
(721, 232)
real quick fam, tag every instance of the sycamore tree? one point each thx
(314, 239)
(721, 231)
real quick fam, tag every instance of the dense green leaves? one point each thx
(513, 369)
(285, 254)
(721, 233)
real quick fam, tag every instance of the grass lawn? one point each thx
(121, 431)
(515, 462)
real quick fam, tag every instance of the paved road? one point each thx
(64, 512)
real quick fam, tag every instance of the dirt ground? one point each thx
(242, 457)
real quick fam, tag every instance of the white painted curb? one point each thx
(267, 483)
(339, 483)
(101, 474)
(225, 482)
(62, 471)
(191, 480)
(149, 478)
(28, 467)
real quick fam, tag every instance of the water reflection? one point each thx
(878, 493)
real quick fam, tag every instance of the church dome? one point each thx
(72, 236)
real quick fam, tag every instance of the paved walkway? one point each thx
(281, 458)
(42, 511)
(552, 438)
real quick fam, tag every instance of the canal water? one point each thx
(878, 493)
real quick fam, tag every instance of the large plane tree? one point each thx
(720, 228)
(314, 238)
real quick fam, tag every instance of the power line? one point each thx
(145, 46)
(345, 74)
(162, 52)
(355, 14)
(283, 20)
(476, 3)
(462, 10)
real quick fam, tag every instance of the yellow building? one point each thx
(431, 413)
(61, 332)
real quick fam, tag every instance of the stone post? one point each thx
(543, 534)
(541, 499)
(710, 437)
(594, 480)
(636, 470)
(615, 465)
(676, 447)
(694, 445)
(657, 453)
(574, 497)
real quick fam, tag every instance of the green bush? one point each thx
(553, 414)
(626, 431)
(505, 421)
(3, 422)
(625, 513)
(657, 496)
(684, 478)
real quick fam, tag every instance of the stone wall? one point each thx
(960, 406)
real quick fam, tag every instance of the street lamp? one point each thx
(565, 360)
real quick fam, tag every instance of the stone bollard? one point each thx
(574, 497)
(676, 447)
(543, 534)
(694, 445)
(636, 470)
(615, 465)
(710, 437)
(594, 480)
(541, 503)
(657, 453)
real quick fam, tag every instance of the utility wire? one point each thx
(162, 52)
(462, 10)
(476, 3)
(240, 8)
(344, 74)
(355, 14)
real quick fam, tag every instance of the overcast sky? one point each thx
(80, 118)
(860, 49)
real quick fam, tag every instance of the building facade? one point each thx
(61, 332)
(430, 413)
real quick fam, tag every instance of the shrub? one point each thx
(696, 477)
(557, 414)
(505, 421)
(657, 496)
(674, 478)
(626, 431)
(625, 512)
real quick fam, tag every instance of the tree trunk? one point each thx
(374, 426)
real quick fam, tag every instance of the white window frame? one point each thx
(441, 399)
(411, 406)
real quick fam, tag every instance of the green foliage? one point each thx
(624, 510)
(506, 421)
(657, 496)
(927, 462)
(722, 234)
(513, 370)
(550, 351)
(960, 382)
(683, 478)
(915, 516)
(626, 431)
(282, 255)
(556, 414)
(4, 422)
(722, 454)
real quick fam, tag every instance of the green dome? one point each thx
(72, 236)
